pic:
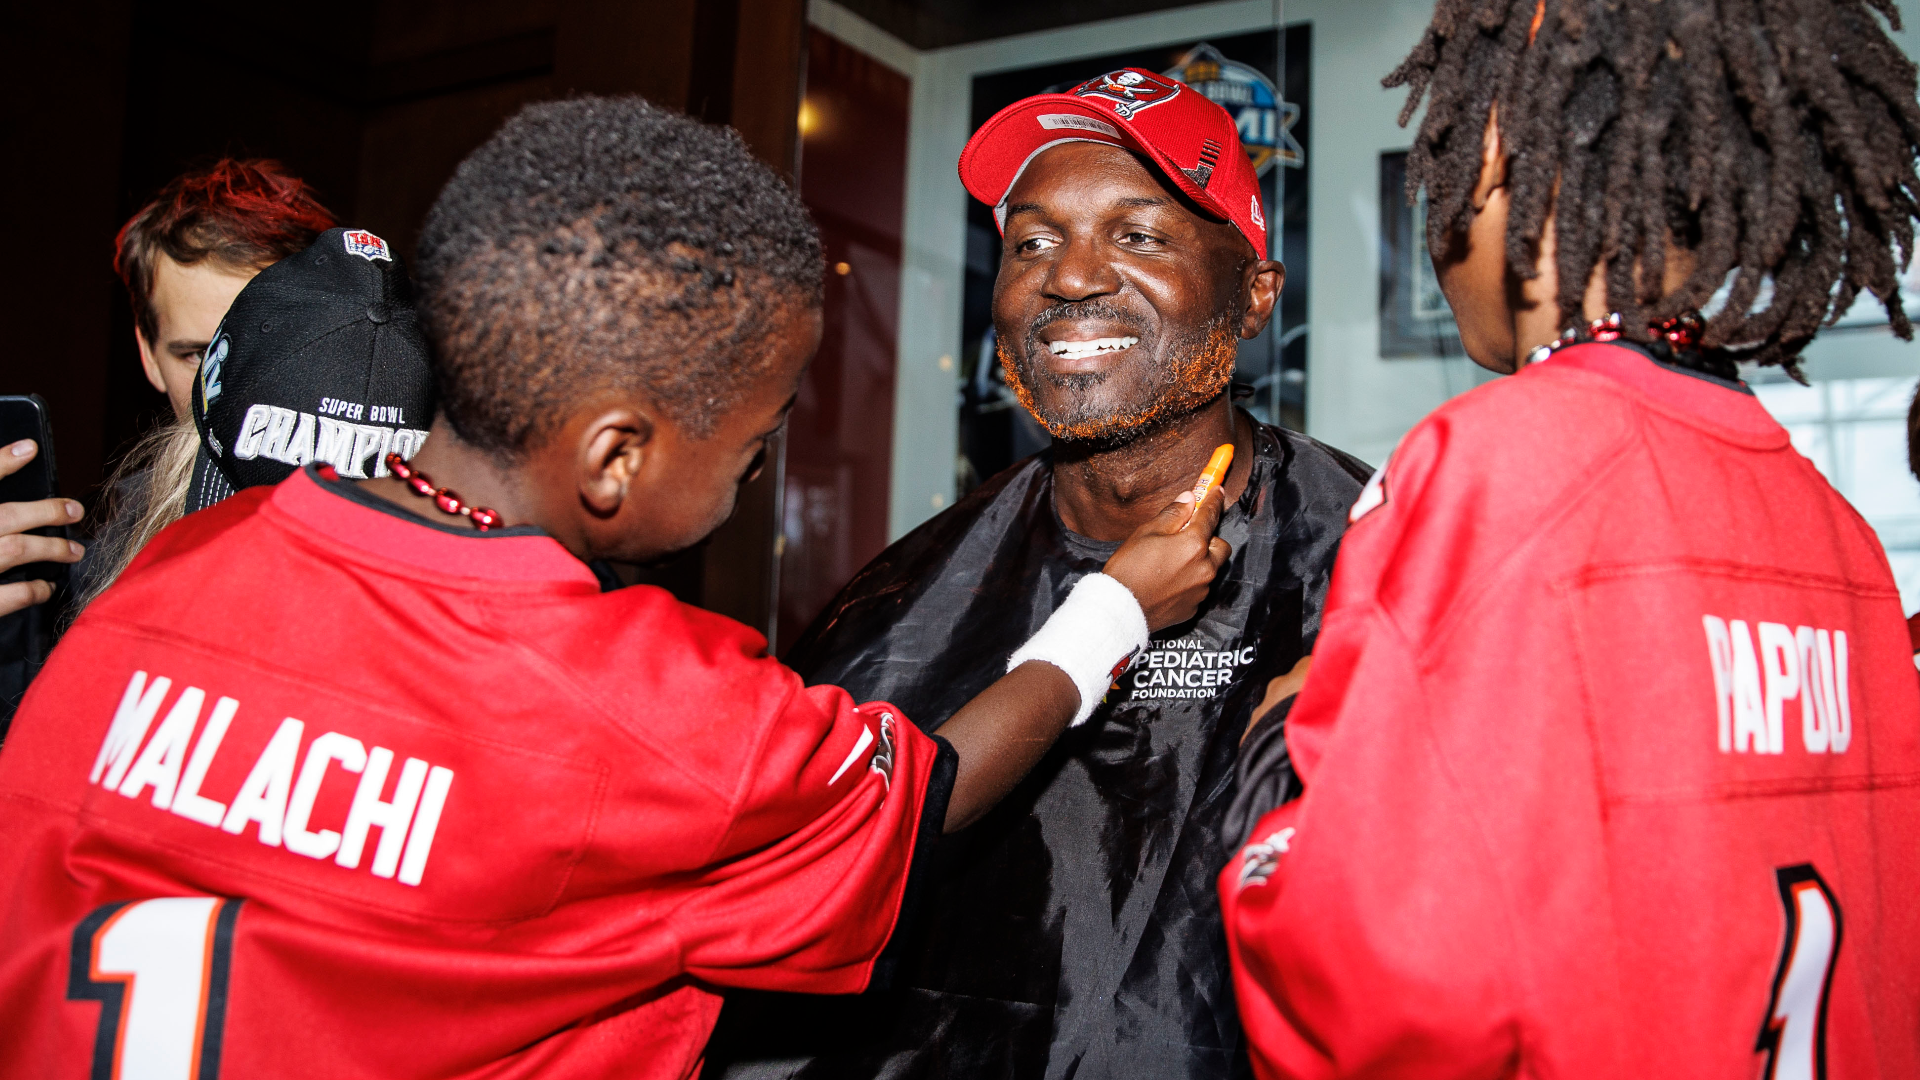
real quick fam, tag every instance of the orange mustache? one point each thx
(1198, 378)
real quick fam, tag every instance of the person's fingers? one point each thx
(23, 594)
(22, 548)
(1207, 515)
(18, 517)
(15, 455)
(1279, 689)
(1285, 686)
(1218, 552)
(1173, 517)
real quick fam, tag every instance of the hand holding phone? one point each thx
(31, 530)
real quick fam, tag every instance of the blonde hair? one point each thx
(146, 493)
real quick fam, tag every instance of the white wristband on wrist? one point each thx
(1096, 630)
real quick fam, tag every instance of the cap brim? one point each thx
(209, 485)
(999, 153)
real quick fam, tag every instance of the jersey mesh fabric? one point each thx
(1553, 803)
(636, 807)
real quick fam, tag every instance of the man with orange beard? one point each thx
(1075, 931)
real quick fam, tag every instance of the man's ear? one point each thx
(1260, 284)
(147, 362)
(615, 447)
(1493, 162)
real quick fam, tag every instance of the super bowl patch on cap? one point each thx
(366, 245)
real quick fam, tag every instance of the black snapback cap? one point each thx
(320, 358)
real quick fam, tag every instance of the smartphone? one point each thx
(25, 417)
(27, 635)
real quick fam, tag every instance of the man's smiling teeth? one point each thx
(1077, 350)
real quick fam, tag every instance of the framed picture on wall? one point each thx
(1415, 321)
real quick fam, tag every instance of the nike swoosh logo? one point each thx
(866, 740)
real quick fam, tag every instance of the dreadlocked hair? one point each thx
(1774, 140)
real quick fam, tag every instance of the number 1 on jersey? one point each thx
(159, 969)
(1794, 1033)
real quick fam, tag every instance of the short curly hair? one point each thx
(607, 244)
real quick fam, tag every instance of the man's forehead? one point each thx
(1079, 169)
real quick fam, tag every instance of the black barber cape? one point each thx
(1074, 931)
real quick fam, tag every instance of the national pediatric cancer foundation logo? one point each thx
(1184, 669)
(1129, 92)
(1265, 121)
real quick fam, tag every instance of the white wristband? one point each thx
(1096, 630)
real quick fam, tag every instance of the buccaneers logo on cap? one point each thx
(1129, 91)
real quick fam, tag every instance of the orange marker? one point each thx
(1215, 471)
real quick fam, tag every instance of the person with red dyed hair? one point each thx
(183, 257)
(190, 251)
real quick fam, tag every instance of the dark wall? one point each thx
(62, 104)
(853, 176)
(936, 24)
(374, 103)
(748, 69)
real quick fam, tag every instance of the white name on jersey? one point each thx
(276, 797)
(1752, 685)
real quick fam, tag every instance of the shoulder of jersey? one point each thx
(192, 532)
(1552, 390)
(1528, 432)
(1530, 419)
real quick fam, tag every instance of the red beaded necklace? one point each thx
(449, 503)
(1680, 334)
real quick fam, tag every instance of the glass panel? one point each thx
(1855, 432)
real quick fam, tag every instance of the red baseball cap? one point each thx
(1194, 141)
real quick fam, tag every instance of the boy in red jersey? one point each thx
(371, 778)
(1609, 749)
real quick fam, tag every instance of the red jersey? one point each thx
(1612, 758)
(323, 789)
